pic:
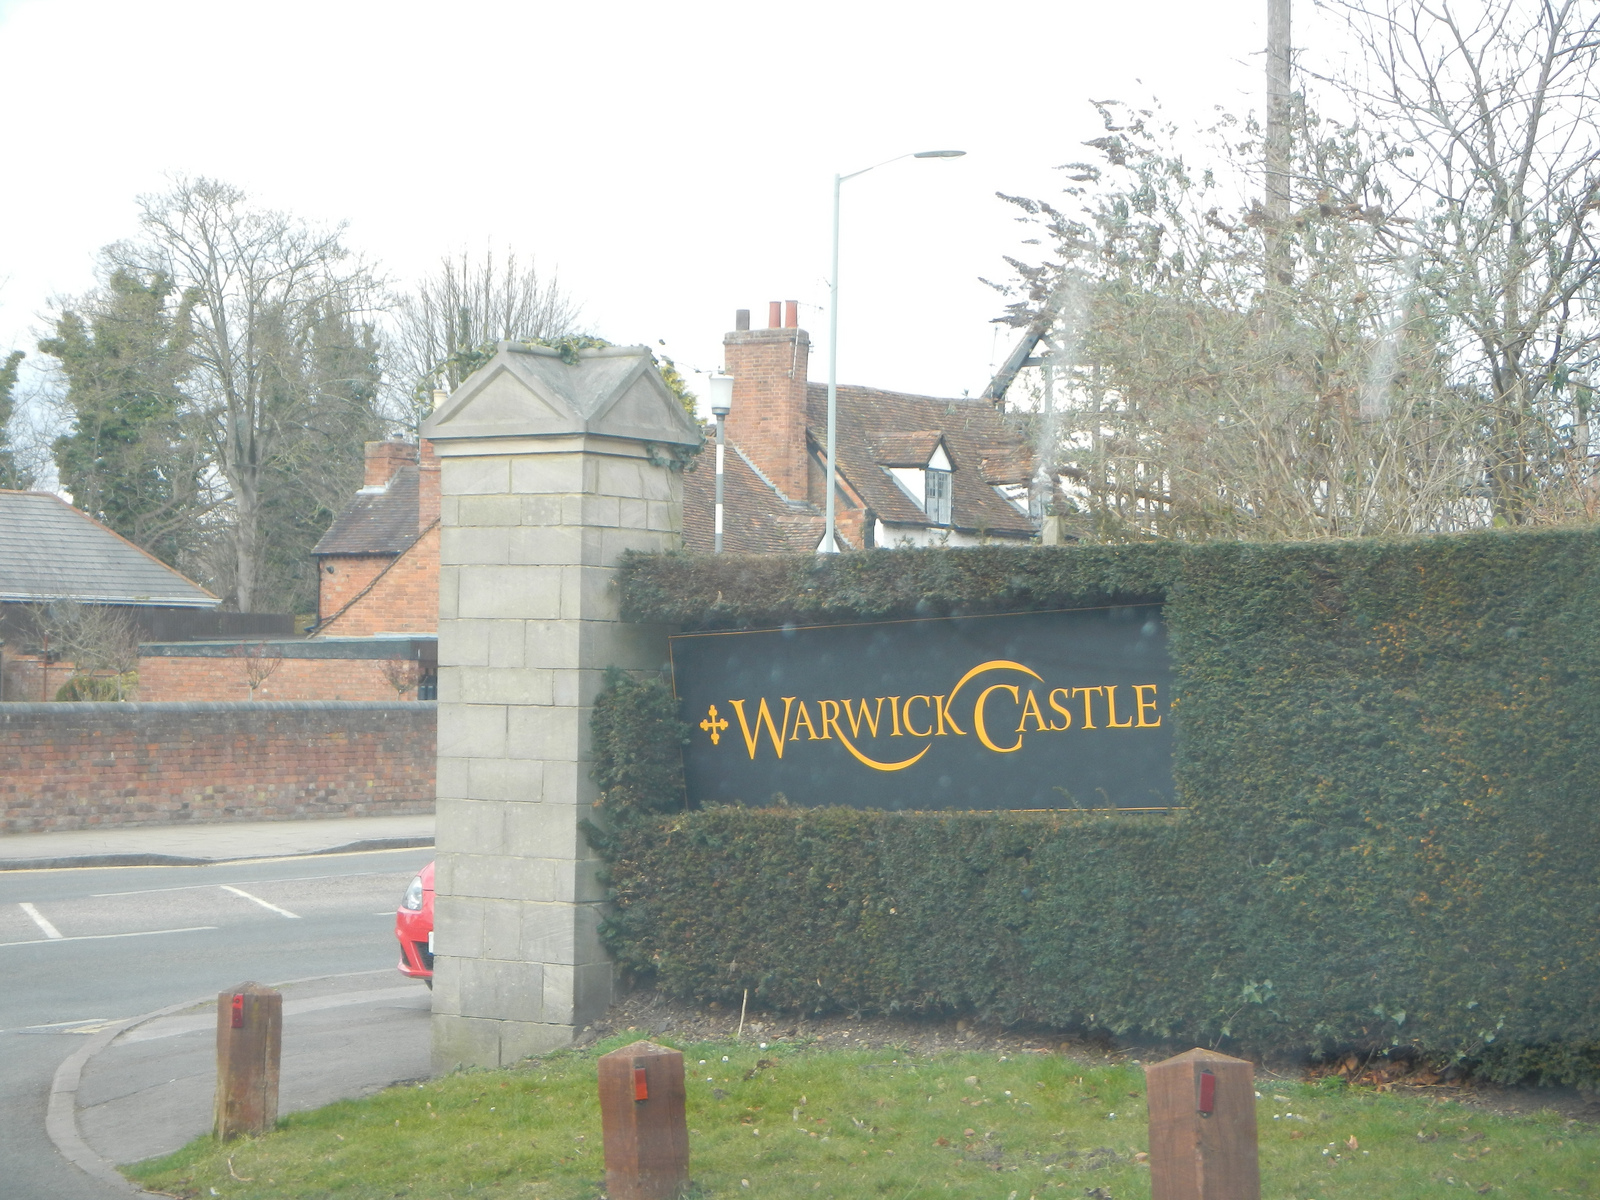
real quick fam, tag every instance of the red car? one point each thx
(413, 925)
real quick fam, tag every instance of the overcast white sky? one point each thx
(674, 161)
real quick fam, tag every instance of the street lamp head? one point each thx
(938, 154)
(721, 395)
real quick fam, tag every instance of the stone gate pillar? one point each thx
(550, 469)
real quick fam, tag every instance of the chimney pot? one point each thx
(741, 320)
(791, 314)
(774, 314)
(427, 485)
(383, 459)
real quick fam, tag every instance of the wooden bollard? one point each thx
(642, 1119)
(249, 1045)
(1203, 1128)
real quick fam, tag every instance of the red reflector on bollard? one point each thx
(1208, 1093)
(641, 1090)
(238, 1011)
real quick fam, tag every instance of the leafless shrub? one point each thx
(402, 674)
(259, 662)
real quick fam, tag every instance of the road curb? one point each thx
(61, 1116)
(173, 860)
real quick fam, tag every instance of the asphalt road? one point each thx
(80, 948)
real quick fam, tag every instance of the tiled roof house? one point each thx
(378, 564)
(50, 553)
(376, 631)
(912, 470)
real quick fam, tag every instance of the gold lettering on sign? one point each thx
(857, 719)
(1030, 708)
(1066, 717)
(1139, 689)
(801, 715)
(977, 717)
(906, 716)
(830, 716)
(1111, 709)
(994, 664)
(763, 717)
(882, 766)
(1088, 717)
(845, 720)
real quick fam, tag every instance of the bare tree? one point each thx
(402, 674)
(101, 642)
(1497, 108)
(1196, 400)
(443, 325)
(258, 663)
(278, 346)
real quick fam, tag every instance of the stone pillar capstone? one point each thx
(550, 468)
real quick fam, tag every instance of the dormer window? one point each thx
(936, 485)
(938, 506)
(921, 465)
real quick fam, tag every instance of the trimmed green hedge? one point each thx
(750, 591)
(1389, 753)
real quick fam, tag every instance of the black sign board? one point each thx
(1020, 711)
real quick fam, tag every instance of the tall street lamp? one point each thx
(721, 406)
(830, 544)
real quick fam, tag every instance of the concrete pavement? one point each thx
(148, 1089)
(184, 845)
(143, 1086)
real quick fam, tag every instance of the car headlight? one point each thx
(412, 900)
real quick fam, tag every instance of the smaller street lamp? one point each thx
(721, 405)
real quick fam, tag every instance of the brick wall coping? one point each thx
(134, 708)
(409, 645)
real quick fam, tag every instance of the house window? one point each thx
(938, 505)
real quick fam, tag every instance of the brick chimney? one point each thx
(385, 458)
(427, 486)
(768, 417)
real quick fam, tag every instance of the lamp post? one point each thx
(830, 544)
(721, 405)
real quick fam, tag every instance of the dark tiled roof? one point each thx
(904, 449)
(376, 522)
(984, 450)
(755, 518)
(49, 550)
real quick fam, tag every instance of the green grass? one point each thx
(827, 1125)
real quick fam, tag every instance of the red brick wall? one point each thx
(768, 416)
(405, 600)
(77, 766)
(341, 576)
(223, 679)
(27, 677)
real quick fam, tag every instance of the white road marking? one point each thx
(189, 887)
(282, 912)
(100, 937)
(50, 931)
(63, 1024)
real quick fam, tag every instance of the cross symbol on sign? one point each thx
(713, 726)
